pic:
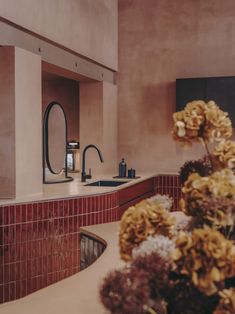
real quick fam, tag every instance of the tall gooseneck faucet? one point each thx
(85, 176)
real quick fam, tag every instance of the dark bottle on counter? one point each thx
(122, 168)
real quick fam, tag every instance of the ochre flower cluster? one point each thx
(202, 193)
(206, 257)
(224, 154)
(201, 120)
(139, 222)
(227, 302)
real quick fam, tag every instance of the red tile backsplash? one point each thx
(40, 241)
(169, 185)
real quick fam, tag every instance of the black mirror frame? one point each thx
(45, 153)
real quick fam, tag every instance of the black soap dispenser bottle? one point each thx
(122, 168)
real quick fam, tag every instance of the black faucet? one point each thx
(85, 176)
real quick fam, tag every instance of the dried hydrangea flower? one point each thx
(139, 222)
(211, 199)
(164, 200)
(224, 154)
(157, 272)
(227, 302)
(184, 298)
(193, 166)
(206, 257)
(125, 292)
(200, 120)
(159, 244)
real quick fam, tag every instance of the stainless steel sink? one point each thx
(106, 183)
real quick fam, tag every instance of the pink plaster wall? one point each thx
(98, 125)
(159, 41)
(7, 123)
(87, 27)
(66, 92)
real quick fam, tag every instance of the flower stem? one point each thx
(208, 154)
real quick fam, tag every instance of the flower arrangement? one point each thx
(205, 256)
(210, 199)
(140, 221)
(183, 262)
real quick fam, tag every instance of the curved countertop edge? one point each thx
(78, 294)
(76, 188)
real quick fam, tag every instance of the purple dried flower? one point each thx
(125, 292)
(157, 272)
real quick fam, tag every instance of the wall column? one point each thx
(21, 123)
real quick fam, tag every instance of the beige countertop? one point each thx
(76, 188)
(77, 294)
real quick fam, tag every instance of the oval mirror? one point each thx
(56, 140)
(54, 145)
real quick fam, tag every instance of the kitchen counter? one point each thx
(77, 294)
(76, 188)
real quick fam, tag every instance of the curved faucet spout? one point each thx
(84, 176)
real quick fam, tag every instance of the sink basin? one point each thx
(106, 183)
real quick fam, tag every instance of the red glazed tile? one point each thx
(23, 288)
(23, 213)
(29, 212)
(6, 293)
(66, 229)
(50, 209)
(23, 270)
(1, 216)
(56, 209)
(18, 214)
(6, 215)
(1, 275)
(12, 272)
(34, 231)
(9, 234)
(17, 271)
(12, 291)
(61, 226)
(40, 211)
(23, 251)
(71, 207)
(6, 273)
(66, 208)
(45, 210)
(18, 289)
(71, 224)
(33, 283)
(35, 211)
(61, 208)
(1, 293)
(29, 227)
(12, 215)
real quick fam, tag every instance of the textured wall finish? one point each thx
(28, 127)
(66, 92)
(159, 41)
(88, 27)
(7, 123)
(98, 124)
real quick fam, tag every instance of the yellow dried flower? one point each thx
(206, 257)
(211, 199)
(139, 222)
(201, 120)
(227, 302)
(224, 154)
